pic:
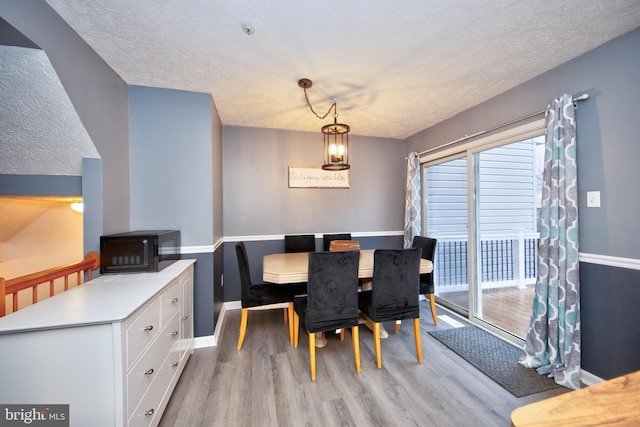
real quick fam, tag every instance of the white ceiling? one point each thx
(395, 67)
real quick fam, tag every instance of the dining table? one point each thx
(283, 268)
(292, 267)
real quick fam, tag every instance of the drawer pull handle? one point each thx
(174, 365)
(148, 371)
(148, 328)
(184, 317)
(174, 300)
(174, 333)
(149, 412)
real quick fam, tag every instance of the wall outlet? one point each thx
(593, 199)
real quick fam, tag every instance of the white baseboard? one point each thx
(588, 378)
(211, 340)
(206, 341)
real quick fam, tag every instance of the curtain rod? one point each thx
(582, 97)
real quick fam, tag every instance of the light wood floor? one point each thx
(507, 308)
(267, 383)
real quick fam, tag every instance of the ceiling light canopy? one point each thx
(335, 135)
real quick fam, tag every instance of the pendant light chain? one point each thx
(333, 106)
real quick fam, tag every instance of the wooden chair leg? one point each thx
(432, 304)
(396, 326)
(355, 332)
(376, 343)
(296, 329)
(416, 338)
(290, 317)
(285, 314)
(243, 328)
(312, 355)
(342, 334)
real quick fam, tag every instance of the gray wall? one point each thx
(98, 94)
(172, 142)
(171, 162)
(608, 150)
(257, 200)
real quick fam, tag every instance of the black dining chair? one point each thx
(327, 238)
(299, 243)
(395, 293)
(428, 246)
(331, 301)
(262, 294)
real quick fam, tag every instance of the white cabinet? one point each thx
(113, 348)
(152, 372)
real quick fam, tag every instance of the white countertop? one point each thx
(108, 298)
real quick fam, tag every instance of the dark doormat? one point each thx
(496, 358)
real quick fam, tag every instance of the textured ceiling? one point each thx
(395, 68)
(40, 131)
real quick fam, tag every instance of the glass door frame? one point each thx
(470, 150)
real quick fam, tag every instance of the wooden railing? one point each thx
(90, 263)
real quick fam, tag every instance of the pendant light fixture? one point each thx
(335, 135)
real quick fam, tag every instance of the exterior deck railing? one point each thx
(505, 260)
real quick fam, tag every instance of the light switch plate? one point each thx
(593, 199)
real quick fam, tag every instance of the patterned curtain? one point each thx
(553, 342)
(412, 226)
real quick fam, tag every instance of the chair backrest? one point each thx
(327, 238)
(300, 243)
(428, 246)
(332, 290)
(243, 269)
(344, 245)
(396, 284)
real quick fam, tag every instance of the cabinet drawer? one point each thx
(147, 412)
(147, 368)
(142, 331)
(171, 301)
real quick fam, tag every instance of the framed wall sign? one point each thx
(309, 177)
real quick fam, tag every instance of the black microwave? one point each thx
(139, 251)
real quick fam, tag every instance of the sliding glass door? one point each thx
(446, 195)
(482, 207)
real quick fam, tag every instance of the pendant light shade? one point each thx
(336, 146)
